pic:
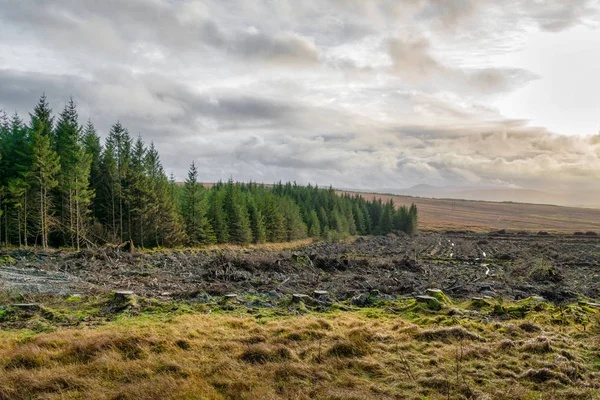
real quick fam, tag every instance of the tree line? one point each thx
(61, 186)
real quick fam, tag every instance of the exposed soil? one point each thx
(462, 264)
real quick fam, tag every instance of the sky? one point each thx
(363, 94)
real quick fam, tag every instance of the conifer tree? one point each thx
(74, 195)
(239, 225)
(257, 222)
(44, 166)
(387, 218)
(274, 220)
(216, 216)
(193, 210)
(119, 142)
(413, 220)
(107, 209)
(41, 119)
(167, 227)
(137, 192)
(92, 147)
(314, 226)
(44, 172)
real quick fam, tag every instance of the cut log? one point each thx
(425, 299)
(27, 307)
(297, 298)
(588, 304)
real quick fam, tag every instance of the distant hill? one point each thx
(584, 198)
(484, 216)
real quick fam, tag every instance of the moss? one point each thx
(439, 295)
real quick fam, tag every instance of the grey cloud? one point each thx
(413, 61)
(217, 82)
(117, 27)
(285, 48)
(555, 16)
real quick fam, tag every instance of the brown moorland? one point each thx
(483, 216)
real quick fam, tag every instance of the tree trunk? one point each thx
(19, 225)
(25, 218)
(114, 221)
(71, 230)
(77, 211)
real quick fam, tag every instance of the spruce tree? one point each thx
(119, 142)
(257, 222)
(137, 192)
(239, 225)
(74, 196)
(314, 226)
(44, 172)
(107, 193)
(167, 227)
(274, 220)
(387, 218)
(93, 148)
(216, 216)
(193, 209)
(413, 220)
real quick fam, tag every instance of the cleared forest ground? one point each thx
(438, 315)
(483, 216)
(460, 263)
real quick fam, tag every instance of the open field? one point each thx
(482, 216)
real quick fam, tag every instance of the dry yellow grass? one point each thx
(262, 246)
(329, 356)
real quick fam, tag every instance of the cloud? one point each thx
(115, 27)
(354, 93)
(412, 60)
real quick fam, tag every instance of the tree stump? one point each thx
(230, 296)
(439, 295)
(320, 293)
(479, 302)
(430, 301)
(123, 296)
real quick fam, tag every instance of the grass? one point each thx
(283, 246)
(397, 350)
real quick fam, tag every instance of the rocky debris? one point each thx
(365, 270)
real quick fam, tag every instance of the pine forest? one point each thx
(60, 186)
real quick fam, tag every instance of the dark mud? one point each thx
(462, 264)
